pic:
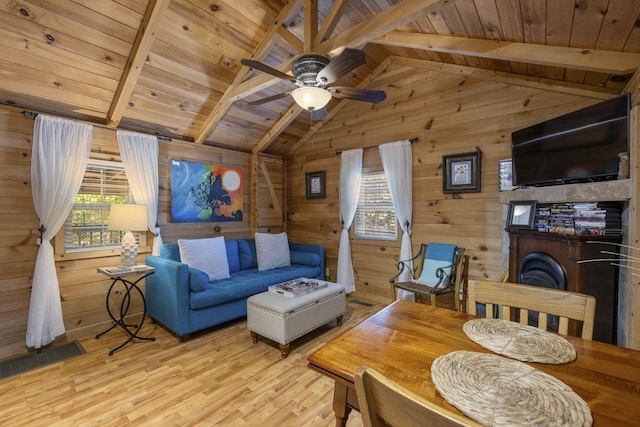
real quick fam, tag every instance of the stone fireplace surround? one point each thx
(605, 191)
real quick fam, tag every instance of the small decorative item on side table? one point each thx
(128, 218)
(118, 274)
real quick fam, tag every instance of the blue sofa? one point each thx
(183, 300)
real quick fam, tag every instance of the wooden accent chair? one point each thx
(547, 302)
(383, 402)
(438, 270)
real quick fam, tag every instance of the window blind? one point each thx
(375, 215)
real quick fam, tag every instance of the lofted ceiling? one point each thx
(172, 67)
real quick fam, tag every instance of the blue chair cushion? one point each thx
(438, 255)
(440, 251)
(429, 269)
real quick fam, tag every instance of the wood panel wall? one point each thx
(18, 229)
(82, 289)
(448, 113)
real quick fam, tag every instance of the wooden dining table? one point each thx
(402, 340)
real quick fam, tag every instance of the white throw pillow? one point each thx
(208, 255)
(272, 251)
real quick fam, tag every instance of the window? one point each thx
(104, 184)
(375, 216)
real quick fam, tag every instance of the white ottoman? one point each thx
(283, 319)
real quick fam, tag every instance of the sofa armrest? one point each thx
(316, 249)
(167, 293)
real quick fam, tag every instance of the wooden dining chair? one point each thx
(383, 402)
(547, 302)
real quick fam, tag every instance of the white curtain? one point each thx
(398, 166)
(140, 159)
(350, 177)
(58, 162)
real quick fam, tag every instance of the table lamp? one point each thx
(128, 218)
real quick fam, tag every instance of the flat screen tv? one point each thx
(581, 146)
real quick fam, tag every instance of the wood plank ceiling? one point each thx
(172, 67)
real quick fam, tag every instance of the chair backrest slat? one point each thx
(543, 319)
(564, 304)
(383, 402)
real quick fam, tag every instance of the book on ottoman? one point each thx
(298, 287)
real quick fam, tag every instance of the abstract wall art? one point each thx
(205, 193)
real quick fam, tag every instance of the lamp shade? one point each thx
(128, 218)
(311, 97)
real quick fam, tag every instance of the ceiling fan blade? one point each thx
(269, 98)
(348, 60)
(257, 65)
(319, 114)
(366, 95)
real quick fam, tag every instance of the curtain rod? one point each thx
(34, 115)
(412, 140)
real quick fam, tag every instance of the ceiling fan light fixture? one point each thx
(311, 97)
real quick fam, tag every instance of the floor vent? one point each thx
(49, 356)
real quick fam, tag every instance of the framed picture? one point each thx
(505, 175)
(205, 193)
(522, 214)
(315, 185)
(461, 173)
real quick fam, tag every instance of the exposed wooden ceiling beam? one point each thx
(285, 120)
(257, 83)
(225, 101)
(509, 78)
(290, 38)
(381, 23)
(331, 21)
(310, 24)
(139, 51)
(601, 61)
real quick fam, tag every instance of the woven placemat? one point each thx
(497, 391)
(521, 342)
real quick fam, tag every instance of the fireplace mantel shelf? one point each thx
(604, 191)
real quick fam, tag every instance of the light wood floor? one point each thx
(217, 378)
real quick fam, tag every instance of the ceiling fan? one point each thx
(315, 74)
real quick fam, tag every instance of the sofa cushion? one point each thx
(245, 283)
(208, 255)
(232, 255)
(272, 251)
(305, 258)
(247, 254)
(170, 251)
